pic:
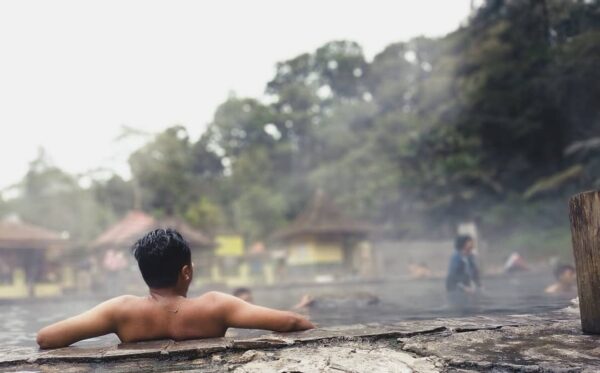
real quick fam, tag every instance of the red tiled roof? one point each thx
(19, 235)
(135, 224)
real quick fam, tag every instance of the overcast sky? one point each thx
(73, 72)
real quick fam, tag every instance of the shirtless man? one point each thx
(164, 259)
(566, 281)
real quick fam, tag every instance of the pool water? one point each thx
(337, 304)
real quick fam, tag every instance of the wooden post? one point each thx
(584, 212)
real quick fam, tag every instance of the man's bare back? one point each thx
(166, 313)
(135, 319)
(178, 318)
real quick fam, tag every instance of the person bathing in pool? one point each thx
(164, 260)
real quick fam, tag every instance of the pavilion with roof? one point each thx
(322, 244)
(29, 260)
(118, 239)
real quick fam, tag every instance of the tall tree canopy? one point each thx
(497, 121)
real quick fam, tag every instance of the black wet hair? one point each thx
(241, 290)
(161, 254)
(560, 269)
(461, 240)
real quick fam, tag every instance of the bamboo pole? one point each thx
(584, 212)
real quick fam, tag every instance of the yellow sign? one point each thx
(230, 246)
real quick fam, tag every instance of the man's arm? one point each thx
(236, 313)
(98, 321)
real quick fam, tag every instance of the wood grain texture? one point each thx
(584, 212)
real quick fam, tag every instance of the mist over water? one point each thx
(336, 305)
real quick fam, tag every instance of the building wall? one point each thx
(310, 250)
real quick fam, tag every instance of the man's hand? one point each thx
(239, 314)
(468, 289)
(305, 301)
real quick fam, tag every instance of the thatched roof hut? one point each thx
(29, 257)
(19, 235)
(322, 217)
(322, 243)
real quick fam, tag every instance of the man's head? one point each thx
(244, 294)
(464, 244)
(565, 274)
(164, 259)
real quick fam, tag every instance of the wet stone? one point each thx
(263, 342)
(150, 349)
(146, 345)
(200, 347)
(361, 331)
(347, 358)
(16, 355)
(248, 356)
(550, 342)
(71, 354)
(540, 346)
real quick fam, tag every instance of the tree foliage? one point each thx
(492, 121)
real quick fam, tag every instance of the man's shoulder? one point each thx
(212, 296)
(122, 300)
(213, 303)
(213, 299)
(126, 298)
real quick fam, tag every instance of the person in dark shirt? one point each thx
(462, 281)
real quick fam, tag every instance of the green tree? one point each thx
(205, 215)
(51, 198)
(115, 193)
(162, 169)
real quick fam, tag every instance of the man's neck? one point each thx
(168, 292)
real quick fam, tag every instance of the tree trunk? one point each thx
(585, 232)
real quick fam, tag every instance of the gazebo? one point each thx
(28, 260)
(118, 238)
(322, 244)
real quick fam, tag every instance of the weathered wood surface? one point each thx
(584, 212)
(550, 342)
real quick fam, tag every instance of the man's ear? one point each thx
(186, 271)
